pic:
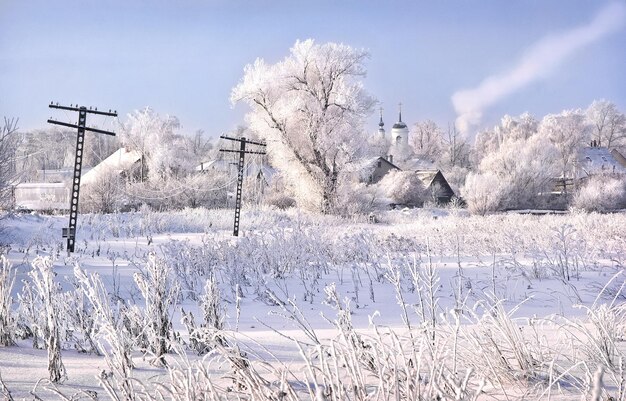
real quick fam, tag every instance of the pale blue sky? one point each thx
(183, 57)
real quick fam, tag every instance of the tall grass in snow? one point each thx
(7, 319)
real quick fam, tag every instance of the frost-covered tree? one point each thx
(520, 167)
(526, 167)
(608, 124)
(310, 107)
(567, 131)
(156, 138)
(43, 150)
(8, 145)
(456, 149)
(510, 128)
(426, 139)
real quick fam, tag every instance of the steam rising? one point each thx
(538, 62)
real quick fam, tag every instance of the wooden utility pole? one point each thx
(240, 172)
(70, 231)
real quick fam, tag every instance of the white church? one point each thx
(399, 149)
(396, 154)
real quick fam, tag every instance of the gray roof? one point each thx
(597, 160)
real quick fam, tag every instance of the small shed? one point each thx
(436, 185)
(42, 196)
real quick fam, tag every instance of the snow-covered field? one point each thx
(424, 303)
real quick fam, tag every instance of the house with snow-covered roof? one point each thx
(436, 185)
(374, 169)
(592, 161)
(123, 162)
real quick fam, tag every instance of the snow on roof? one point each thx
(594, 160)
(367, 164)
(426, 176)
(119, 161)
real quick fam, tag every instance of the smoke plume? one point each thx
(538, 62)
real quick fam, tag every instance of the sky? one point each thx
(467, 61)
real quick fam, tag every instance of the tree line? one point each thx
(311, 108)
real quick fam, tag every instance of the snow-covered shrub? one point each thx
(208, 189)
(104, 194)
(403, 187)
(208, 335)
(601, 193)
(354, 199)
(7, 318)
(48, 290)
(483, 193)
(277, 194)
(191, 265)
(281, 201)
(160, 294)
(522, 167)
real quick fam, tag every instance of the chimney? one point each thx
(390, 159)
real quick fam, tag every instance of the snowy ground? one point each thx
(415, 276)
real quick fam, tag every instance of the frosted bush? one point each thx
(601, 193)
(483, 193)
(403, 187)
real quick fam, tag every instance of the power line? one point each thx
(240, 172)
(70, 231)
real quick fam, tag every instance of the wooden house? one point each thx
(373, 170)
(436, 185)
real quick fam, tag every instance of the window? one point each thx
(380, 163)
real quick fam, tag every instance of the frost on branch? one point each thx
(310, 108)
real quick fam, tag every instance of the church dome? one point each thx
(399, 124)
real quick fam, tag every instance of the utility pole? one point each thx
(240, 171)
(70, 232)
